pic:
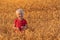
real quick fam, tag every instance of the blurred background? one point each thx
(43, 17)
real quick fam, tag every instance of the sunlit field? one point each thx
(43, 18)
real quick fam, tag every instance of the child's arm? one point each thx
(14, 27)
(24, 27)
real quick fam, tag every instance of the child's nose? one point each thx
(19, 15)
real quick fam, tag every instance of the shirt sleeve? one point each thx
(25, 22)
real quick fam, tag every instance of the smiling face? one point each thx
(19, 15)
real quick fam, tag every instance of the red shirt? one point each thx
(20, 23)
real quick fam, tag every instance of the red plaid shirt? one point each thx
(19, 23)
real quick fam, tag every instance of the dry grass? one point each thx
(43, 17)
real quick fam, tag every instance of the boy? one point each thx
(20, 23)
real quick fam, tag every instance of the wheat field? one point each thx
(43, 18)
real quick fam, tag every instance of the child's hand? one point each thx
(23, 27)
(15, 28)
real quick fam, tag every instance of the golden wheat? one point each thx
(43, 17)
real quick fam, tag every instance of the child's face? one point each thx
(19, 15)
